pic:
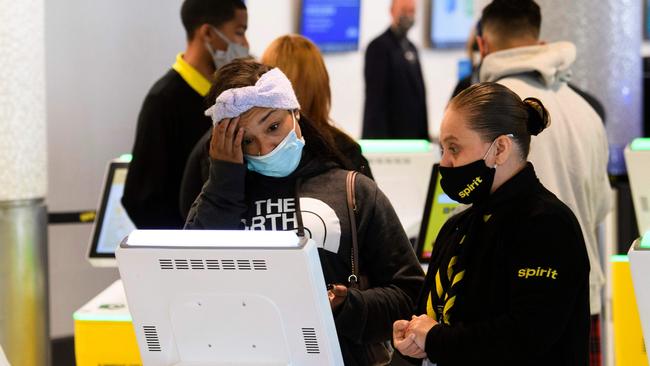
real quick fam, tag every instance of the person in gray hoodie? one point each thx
(271, 169)
(571, 157)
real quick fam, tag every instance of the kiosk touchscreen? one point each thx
(402, 169)
(200, 297)
(112, 223)
(438, 207)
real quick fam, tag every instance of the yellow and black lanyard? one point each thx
(447, 282)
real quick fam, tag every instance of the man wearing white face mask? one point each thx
(171, 120)
(395, 104)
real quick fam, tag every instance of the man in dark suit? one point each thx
(395, 95)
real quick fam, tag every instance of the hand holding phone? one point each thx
(336, 295)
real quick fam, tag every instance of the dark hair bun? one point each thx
(538, 118)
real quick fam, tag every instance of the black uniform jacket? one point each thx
(395, 96)
(171, 121)
(524, 299)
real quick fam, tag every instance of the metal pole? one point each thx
(608, 36)
(24, 323)
(24, 320)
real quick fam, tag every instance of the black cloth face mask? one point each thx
(469, 183)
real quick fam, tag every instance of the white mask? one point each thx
(233, 51)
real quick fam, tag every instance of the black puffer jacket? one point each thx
(524, 298)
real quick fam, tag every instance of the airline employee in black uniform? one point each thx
(171, 120)
(508, 281)
(395, 106)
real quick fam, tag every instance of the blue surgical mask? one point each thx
(283, 160)
(234, 51)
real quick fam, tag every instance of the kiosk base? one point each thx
(104, 332)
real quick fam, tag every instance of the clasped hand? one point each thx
(409, 337)
(226, 142)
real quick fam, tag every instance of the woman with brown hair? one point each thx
(508, 280)
(302, 62)
(272, 168)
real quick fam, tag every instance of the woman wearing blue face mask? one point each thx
(508, 281)
(272, 169)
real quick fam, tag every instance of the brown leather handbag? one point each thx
(376, 353)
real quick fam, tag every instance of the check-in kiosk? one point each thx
(202, 297)
(637, 158)
(402, 169)
(102, 327)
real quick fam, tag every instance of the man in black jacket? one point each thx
(395, 95)
(171, 120)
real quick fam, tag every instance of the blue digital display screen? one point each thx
(451, 22)
(464, 68)
(333, 25)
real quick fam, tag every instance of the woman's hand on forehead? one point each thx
(226, 142)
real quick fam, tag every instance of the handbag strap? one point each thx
(353, 279)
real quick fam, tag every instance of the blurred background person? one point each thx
(474, 55)
(171, 119)
(395, 105)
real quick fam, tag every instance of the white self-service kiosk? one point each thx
(637, 158)
(201, 297)
(402, 169)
